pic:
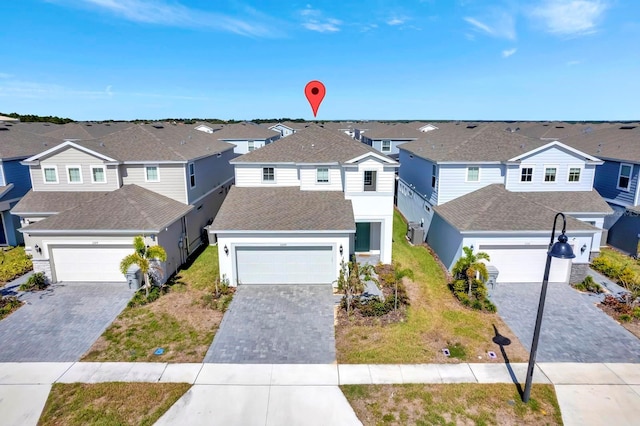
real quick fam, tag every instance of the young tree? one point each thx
(146, 258)
(469, 268)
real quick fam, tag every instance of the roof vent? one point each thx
(517, 129)
(559, 127)
(587, 130)
(3, 128)
(101, 143)
(522, 146)
(45, 144)
(88, 124)
(545, 125)
(508, 129)
(627, 127)
(471, 126)
(182, 142)
(158, 126)
(46, 124)
(8, 124)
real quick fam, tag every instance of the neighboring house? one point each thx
(15, 146)
(246, 136)
(286, 128)
(91, 197)
(387, 139)
(617, 179)
(463, 180)
(301, 206)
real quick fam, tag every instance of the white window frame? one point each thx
(620, 175)
(555, 177)
(575, 166)
(146, 175)
(382, 146)
(104, 172)
(73, 166)
(251, 146)
(533, 172)
(328, 176)
(44, 176)
(466, 178)
(374, 178)
(191, 168)
(274, 175)
(434, 176)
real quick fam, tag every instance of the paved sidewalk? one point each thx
(308, 394)
(277, 324)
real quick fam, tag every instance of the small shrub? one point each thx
(141, 298)
(8, 304)
(221, 296)
(589, 285)
(477, 305)
(374, 307)
(625, 318)
(36, 282)
(636, 312)
(617, 305)
(489, 306)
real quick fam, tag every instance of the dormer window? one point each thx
(251, 145)
(98, 175)
(152, 174)
(526, 174)
(386, 146)
(74, 174)
(50, 174)
(322, 175)
(369, 180)
(550, 173)
(473, 174)
(268, 174)
(574, 174)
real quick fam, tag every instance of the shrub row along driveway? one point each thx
(62, 322)
(277, 324)
(573, 328)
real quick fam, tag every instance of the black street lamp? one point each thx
(561, 250)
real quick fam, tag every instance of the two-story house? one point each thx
(246, 136)
(302, 205)
(497, 191)
(91, 197)
(618, 145)
(387, 139)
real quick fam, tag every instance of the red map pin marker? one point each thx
(314, 91)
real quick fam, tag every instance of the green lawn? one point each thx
(435, 320)
(479, 404)
(180, 322)
(13, 263)
(109, 403)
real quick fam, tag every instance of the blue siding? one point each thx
(606, 182)
(416, 171)
(18, 175)
(445, 240)
(11, 225)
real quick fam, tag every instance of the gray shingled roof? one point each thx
(131, 208)
(313, 144)
(284, 209)
(493, 208)
(244, 131)
(616, 141)
(52, 201)
(398, 131)
(18, 143)
(572, 201)
(460, 143)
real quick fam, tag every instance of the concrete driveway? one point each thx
(60, 323)
(573, 329)
(277, 324)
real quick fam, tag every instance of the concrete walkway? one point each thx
(246, 394)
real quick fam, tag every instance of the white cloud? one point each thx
(499, 24)
(395, 21)
(174, 14)
(314, 20)
(509, 52)
(570, 17)
(572, 63)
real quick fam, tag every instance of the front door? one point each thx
(363, 236)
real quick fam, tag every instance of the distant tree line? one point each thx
(38, 118)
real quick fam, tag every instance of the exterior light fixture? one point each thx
(341, 250)
(583, 248)
(561, 250)
(226, 250)
(37, 248)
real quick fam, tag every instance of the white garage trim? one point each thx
(292, 264)
(525, 263)
(88, 262)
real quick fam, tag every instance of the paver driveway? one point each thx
(573, 328)
(62, 322)
(277, 324)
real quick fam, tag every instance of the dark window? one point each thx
(434, 170)
(526, 174)
(192, 175)
(268, 174)
(624, 176)
(550, 174)
(574, 174)
(370, 180)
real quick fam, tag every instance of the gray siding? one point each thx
(606, 183)
(445, 240)
(170, 241)
(203, 213)
(172, 182)
(211, 172)
(413, 206)
(416, 171)
(377, 144)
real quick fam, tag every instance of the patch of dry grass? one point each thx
(179, 322)
(480, 404)
(109, 403)
(435, 320)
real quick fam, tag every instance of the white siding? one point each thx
(251, 176)
(552, 156)
(308, 180)
(172, 182)
(73, 157)
(453, 179)
(385, 177)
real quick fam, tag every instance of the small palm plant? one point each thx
(146, 258)
(470, 269)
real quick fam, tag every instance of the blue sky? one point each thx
(411, 59)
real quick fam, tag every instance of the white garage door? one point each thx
(89, 263)
(285, 265)
(525, 264)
